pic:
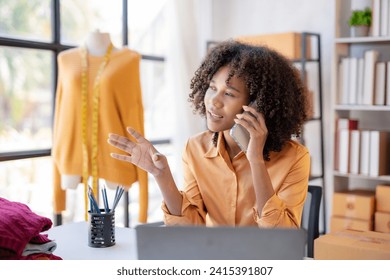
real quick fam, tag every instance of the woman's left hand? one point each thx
(255, 124)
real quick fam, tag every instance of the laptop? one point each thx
(219, 243)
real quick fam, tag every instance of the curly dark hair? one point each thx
(272, 82)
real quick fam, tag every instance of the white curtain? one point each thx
(189, 28)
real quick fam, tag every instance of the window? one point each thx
(79, 17)
(147, 26)
(32, 34)
(17, 20)
(25, 99)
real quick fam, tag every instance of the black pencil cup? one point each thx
(101, 231)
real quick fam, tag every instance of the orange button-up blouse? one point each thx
(219, 191)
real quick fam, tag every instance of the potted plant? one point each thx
(360, 22)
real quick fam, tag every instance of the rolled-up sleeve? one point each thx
(284, 208)
(193, 210)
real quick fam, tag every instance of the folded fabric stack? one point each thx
(20, 233)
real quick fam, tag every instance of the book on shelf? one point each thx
(376, 15)
(360, 81)
(380, 83)
(340, 83)
(384, 17)
(370, 59)
(345, 123)
(354, 155)
(364, 81)
(353, 82)
(344, 81)
(364, 152)
(364, 164)
(388, 18)
(379, 153)
(341, 151)
(387, 98)
(380, 18)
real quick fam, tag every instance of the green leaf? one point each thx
(360, 17)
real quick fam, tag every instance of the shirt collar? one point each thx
(214, 151)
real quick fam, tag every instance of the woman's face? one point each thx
(223, 101)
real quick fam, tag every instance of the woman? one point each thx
(265, 186)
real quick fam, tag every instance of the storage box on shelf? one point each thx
(341, 223)
(382, 222)
(382, 196)
(352, 233)
(361, 91)
(289, 43)
(352, 245)
(353, 210)
(382, 214)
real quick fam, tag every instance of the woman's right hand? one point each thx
(140, 153)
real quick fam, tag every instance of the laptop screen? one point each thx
(219, 243)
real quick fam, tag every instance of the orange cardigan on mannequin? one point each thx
(120, 106)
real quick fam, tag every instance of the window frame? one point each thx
(56, 47)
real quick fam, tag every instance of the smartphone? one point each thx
(240, 134)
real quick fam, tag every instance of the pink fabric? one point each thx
(19, 226)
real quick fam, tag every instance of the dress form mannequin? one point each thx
(96, 43)
(116, 72)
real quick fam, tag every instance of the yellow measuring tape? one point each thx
(95, 114)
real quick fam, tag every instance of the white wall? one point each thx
(231, 18)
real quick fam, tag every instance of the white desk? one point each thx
(72, 243)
